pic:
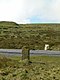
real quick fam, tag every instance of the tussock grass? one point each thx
(41, 68)
(35, 36)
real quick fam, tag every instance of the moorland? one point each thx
(41, 68)
(35, 36)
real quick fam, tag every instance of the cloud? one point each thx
(51, 12)
(23, 11)
(11, 10)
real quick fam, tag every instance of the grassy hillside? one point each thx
(41, 68)
(8, 24)
(13, 35)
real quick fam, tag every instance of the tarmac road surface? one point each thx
(32, 52)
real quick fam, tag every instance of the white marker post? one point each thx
(46, 47)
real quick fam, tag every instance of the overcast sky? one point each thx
(30, 11)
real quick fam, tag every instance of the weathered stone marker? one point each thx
(25, 53)
(26, 56)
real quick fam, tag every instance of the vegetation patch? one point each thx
(41, 68)
(35, 36)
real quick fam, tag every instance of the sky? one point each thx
(30, 11)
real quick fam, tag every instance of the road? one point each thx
(32, 52)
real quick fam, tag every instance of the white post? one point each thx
(46, 47)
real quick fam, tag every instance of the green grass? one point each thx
(13, 35)
(41, 68)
